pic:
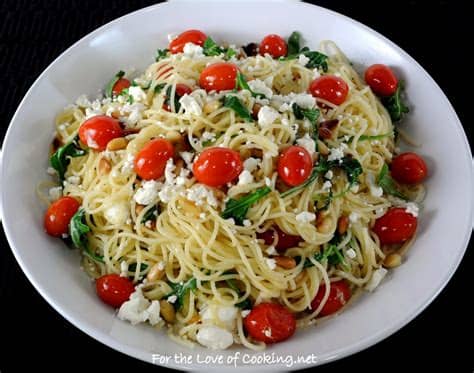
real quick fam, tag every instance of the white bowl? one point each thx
(445, 222)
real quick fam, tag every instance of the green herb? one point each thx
(375, 137)
(159, 88)
(110, 85)
(241, 83)
(230, 53)
(151, 214)
(161, 53)
(238, 208)
(394, 104)
(308, 181)
(211, 141)
(181, 290)
(78, 230)
(322, 201)
(177, 105)
(385, 181)
(232, 102)
(246, 303)
(61, 158)
(210, 48)
(352, 168)
(316, 59)
(311, 114)
(294, 43)
(133, 267)
(331, 253)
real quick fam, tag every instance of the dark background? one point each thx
(33, 33)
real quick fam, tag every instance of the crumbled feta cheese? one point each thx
(202, 215)
(214, 337)
(192, 50)
(305, 217)
(258, 86)
(208, 136)
(374, 189)
(308, 143)
(268, 181)
(303, 60)
(123, 269)
(51, 171)
(336, 154)
(139, 309)
(267, 115)
(304, 100)
(355, 188)
(247, 223)
(200, 194)
(134, 112)
(137, 93)
(230, 221)
(244, 313)
(190, 105)
(327, 186)
(412, 208)
(271, 250)
(172, 299)
(171, 37)
(376, 278)
(187, 158)
(351, 253)
(83, 101)
(55, 193)
(316, 73)
(128, 164)
(117, 214)
(147, 193)
(329, 175)
(74, 180)
(354, 217)
(245, 177)
(251, 164)
(271, 263)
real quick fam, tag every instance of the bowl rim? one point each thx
(138, 353)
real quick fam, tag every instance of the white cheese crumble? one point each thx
(271, 250)
(172, 299)
(258, 86)
(55, 193)
(271, 263)
(244, 313)
(123, 269)
(376, 278)
(412, 208)
(137, 93)
(128, 164)
(139, 309)
(336, 154)
(304, 100)
(303, 60)
(329, 175)
(74, 180)
(200, 194)
(247, 223)
(192, 50)
(117, 214)
(308, 143)
(147, 193)
(305, 217)
(374, 189)
(214, 337)
(251, 164)
(134, 112)
(187, 158)
(190, 105)
(267, 115)
(354, 217)
(351, 253)
(327, 186)
(245, 178)
(268, 182)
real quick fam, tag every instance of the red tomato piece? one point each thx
(381, 79)
(274, 45)
(408, 168)
(190, 36)
(294, 165)
(220, 76)
(96, 132)
(285, 240)
(59, 214)
(270, 323)
(120, 85)
(150, 162)
(181, 90)
(396, 226)
(114, 289)
(217, 166)
(339, 295)
(330, 88)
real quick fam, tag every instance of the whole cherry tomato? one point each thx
(150, 162)
(294, 165)
(59, 214)
(217, 166)
(114, 289)
(220, 76)
(339, 294)
(330, 88)
(190, 36)
(396, 226)
(120, 85)
(381, 79)
(408, 168)
(274, 45)
(97, 131)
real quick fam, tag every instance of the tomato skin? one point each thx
(294, 165)
(220, 76)
(217, 166)
(113, 289)
(150, 162)
(120, 85)
(408, 168)
(97, 131)
(285, 240)
(396, 226)
(59, 214)
(190, 36)
(274, 45)
(339, 295)
(180, 91)
(330, 88)
(381, 79)
(270, 318)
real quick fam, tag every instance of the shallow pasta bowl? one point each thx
(84, 68)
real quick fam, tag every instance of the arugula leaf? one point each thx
(394, 104)
(330, 253)
(151, 214)
(60, 159)
(351, 166)
(210, 47)
(181, 290)
(159, 88)
(110, 85)
(246, 303)
(160, 54)
(316, 59)
(230, 53)
(133, 267)
(311, 114)
(294, 43)
(232, 102)
(238, 208)
(78, 230)
(241, 83)
(385, 181)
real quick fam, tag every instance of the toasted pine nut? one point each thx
(342, 224)
(323, 149)
(195, 319)
(286, 262)
(256, 108)
(117, 144)
(139, 209)
(155, 273)
(173, 136)
(209, 107)
(167, 311)
(325, 225)
(392, 260)
(104, 166)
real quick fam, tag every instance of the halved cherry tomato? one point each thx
(120, 85)
(220, 76)
(181, 90)
(59, 214)
(294, 165)
(408, 168)
(270, 323)
(150, 162)
(217, 166)
(190, 36)
(330, 88)
(96, 132)
(114, 289)
(285, 240)
(396, 226)
(339, 294)
(274, 45)
(381, 79)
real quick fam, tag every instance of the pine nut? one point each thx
(167, 311)
(325, 225)
(392, 260)
(322, 148)
(139, 209)
(256, 108)
(195, 319)
(209, 107)
(155, 273)
(104, 166)
(286, 262)
(342, 224)
(118, 143)
(173, 136)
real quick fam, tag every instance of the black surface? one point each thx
(32, 33)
